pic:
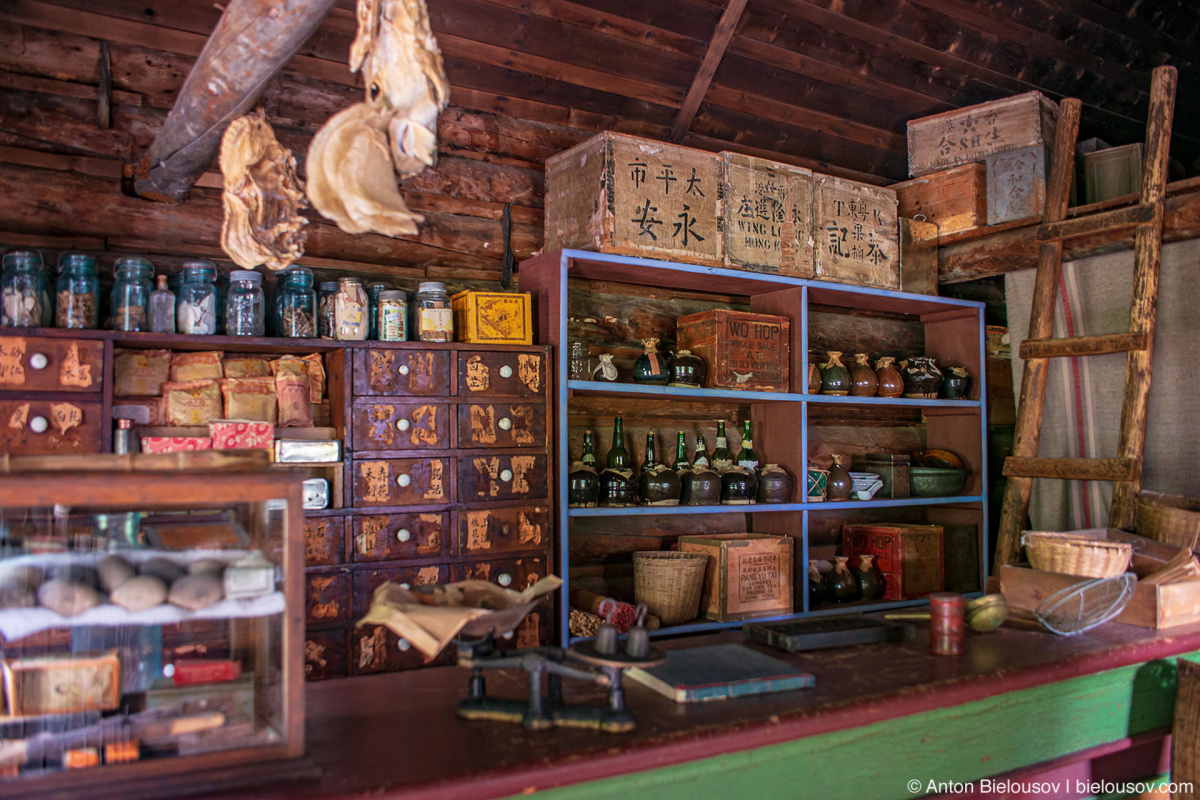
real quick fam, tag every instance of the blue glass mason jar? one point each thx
(77, 301)
(131, 294)
(22, 289)
(245, 304)
(296, 305)
(196, 300)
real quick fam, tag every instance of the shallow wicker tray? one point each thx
(1073, 554)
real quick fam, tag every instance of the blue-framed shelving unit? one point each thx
(954, 334)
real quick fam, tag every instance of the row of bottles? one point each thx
(707, 479)
(844, 585)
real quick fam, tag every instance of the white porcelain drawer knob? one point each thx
(504, 579)
(508, 635)
(403, 534)
(506, 475)
(38, 361)
(506, 371)
(403, 645)
(505, 423)
(403, 480)
(403, 369)
(405, 586)
(39, 425)
(403, 424)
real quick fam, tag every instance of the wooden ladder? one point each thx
(1147, 218)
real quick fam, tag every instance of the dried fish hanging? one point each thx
(355, 158)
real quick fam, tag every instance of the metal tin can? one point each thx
(393, 316)
(946, 619)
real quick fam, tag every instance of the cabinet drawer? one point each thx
(390, 537)
(402, 482)
(400, 426)
(501, 425)
(380, 371)
(376, 649)
(327, 599)
(50, 427)
(366, 581)
(323, 541)
(516, 574)
(501, 477)
(32, 364)
(482, 531)
(498, 374)
(325, 655)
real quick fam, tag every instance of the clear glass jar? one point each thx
(196, 301)
(350, 318)
(373, 292)
(77, 303)
(22, 289)
(296, 305)
(579, 368)
(245, 304)
(435, 320)
(325, 309)
(392, 311)
(131, 294)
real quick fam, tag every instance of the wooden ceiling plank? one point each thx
(1142, 35)
(688, 18)
(816, 165)
(31, 83)
(721, 37)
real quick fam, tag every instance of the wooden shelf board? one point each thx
(594, 388)
(766, 508)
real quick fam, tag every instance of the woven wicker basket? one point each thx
(1072, 554)
(1169, 518)
(669, 584)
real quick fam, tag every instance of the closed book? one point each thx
(719, 672)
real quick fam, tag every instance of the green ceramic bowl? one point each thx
(936, 481)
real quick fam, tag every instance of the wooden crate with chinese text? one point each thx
(857, 233)
(748, 574)
(637, 197)
(767, 215)
(742, 350)
(972, 134)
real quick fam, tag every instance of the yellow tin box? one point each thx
(492, 317)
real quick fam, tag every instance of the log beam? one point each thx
(253, 40)
(708, 67)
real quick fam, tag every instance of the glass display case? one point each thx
(151, 619)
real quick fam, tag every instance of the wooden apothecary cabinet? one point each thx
(192, 679)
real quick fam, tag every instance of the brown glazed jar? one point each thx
(814, 376)
(840, 486)
(922, 378)
(891, 382)
(835, 378)
(863, 382)
(701, 487)
(774, 485)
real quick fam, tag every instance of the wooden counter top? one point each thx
(397, 735)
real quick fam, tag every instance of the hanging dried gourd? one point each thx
(262, 196)
(356, 157)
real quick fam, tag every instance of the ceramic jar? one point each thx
(835, 378)
(774, 485)
(869, 578)
(583, 486)
(840, 485)
(686, 369)
(922, 378)
(701, 486)
(840, 586)
(739, 487)
(618, 488)
(891, 382)
(650, 367)
(606, 370)
(658, 485)
(817, 485)
(814, 376)
(863, 382)
(956, 384)
(816, 589)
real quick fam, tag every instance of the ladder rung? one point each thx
(1095, 223)
(1082, 345)
(1071, 469)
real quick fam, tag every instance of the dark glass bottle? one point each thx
(840, 585)
(658, 485)
(681, 460)
(701, 459)
(869, 578)
(721, 459)
(816, 589)
(650, 366)
(584, 482)
(618, 487)
(746, 457)
(618, 456)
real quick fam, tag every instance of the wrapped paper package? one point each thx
(432, 618)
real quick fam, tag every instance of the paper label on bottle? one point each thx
(747, 464)
(436, 320)
(700, 461)
(721, 464)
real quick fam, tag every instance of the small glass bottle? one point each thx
(77, 303)
(579, 368)
(435, 320)
(701, 459)
(325, 306)
(245, 304)
(131, 294)
(350, 318)
(296, 305)
(22, 289)
(373, 292)
(393, 316)
(618, 456)
(681, 460)
(722, 459)
(746, 457)
(162, 308)
(125, 438)
(196, 309)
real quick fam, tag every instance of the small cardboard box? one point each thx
(241, 434)
(741, 350)
(971, 134)
(175, 444)
(857, 232)
(492, 317)
(638, 197)
(748, 574)
(62, 684)
(909, 556)
(768, 216)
